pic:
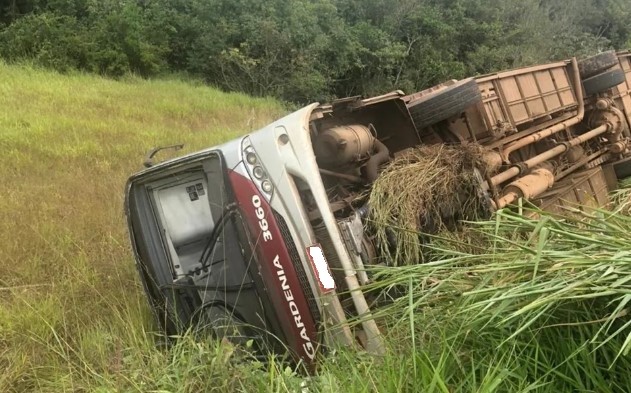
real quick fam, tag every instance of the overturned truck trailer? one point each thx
(262, 239)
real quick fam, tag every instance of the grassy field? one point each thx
(71, 308)
(513, 305)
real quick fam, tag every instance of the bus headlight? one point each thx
(259, 172)
(251, 158)
(266, 185)
(255, 169)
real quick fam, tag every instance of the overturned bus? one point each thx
(256, 239)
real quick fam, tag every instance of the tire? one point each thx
(445, 103)
(596, 64)
(604, 81)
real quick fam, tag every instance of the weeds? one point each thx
(549, 296)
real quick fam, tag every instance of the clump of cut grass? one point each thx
(425, 190)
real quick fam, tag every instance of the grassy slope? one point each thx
(70, 303)
(503, 314)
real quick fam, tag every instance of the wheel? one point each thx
(445, 103)
(596, 64)
(604, 81)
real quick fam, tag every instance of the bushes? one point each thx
(124, 41)
(51, 40)
(306, 50)
(113, 40)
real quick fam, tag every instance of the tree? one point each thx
(304, 50)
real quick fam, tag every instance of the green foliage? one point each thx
(124, 40)
(48, 39)
(305, 50)
(280, 48)
(107, 37)
(543, 299)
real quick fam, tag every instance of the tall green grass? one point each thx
(516, 305)
(542, 302)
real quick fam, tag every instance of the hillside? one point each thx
(68, 288)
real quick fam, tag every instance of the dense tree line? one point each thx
(302, 50)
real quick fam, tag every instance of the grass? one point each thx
(72, 311)
(421, 190)
(547, 299)
(516, 305)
